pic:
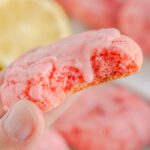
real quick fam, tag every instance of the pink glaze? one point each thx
(32, 76)
(106, 118)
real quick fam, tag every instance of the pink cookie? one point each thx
(52, 140)
(46, 75)
(134, 21)
(106, 118)
(93, 13)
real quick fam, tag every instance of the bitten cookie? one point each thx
(46, 75)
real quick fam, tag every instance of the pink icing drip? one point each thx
(81, 58)
(32, 72)
(78, 56)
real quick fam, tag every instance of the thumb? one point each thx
(21, 127)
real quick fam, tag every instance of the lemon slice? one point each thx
(25, 24)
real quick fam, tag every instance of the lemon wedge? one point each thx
(25, 24)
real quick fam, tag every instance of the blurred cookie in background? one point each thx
(25, 24)
(134, 20)
(132, 17)
(107, 118)
(93, 13)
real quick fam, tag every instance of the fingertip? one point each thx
(23, 124)
(38, 121)
(36, 115)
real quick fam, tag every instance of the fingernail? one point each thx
(19, 122)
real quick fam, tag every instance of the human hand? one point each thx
(21, 126)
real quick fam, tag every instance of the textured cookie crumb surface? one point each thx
(45, 76)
